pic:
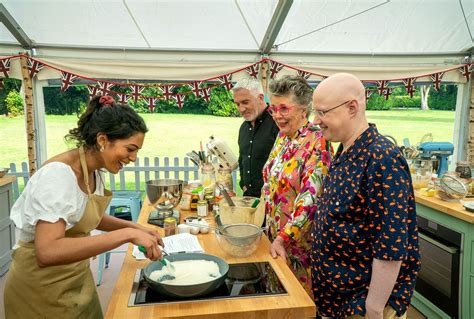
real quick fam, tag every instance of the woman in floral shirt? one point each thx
(293, 175)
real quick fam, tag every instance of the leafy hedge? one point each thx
(444, 99)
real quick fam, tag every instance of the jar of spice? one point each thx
(202, 208)
(462, 167)
(169, 226)
(210, 199)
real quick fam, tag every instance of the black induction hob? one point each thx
(243, 280)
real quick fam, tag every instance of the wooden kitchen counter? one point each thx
(6, 180)
(454, 209)
(295, 304)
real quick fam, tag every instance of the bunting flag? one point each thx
(167, 91)
(368, 93)
(253, 70)
(387, 92)
(105, 87)
(303, 74)
(206, 94)
(179, 98)
(151, 103)
(381, 86)
(34, 67)
(409, 85)
(123, 98)
(436, 78)
(466, 70)
(93, 90)
(5, 67)
(136, 91)
(275, 67)
(195, 88)
(66, 80)
(226, 80)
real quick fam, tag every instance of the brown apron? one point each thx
(64, 291)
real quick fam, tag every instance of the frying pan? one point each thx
(186, 291)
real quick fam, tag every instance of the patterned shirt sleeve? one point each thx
(314, 166)
(389, 190)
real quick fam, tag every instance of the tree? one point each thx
(425, 90)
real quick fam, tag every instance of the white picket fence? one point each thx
(130, 177)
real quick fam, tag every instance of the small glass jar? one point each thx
(462, 167)
(210, 199)
(194, 200)
(208, 177)
(169, 225)
(202, 208)
(224, 177)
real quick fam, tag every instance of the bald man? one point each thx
(365, 255)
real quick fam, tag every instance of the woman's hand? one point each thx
(277, 248)
(148, 239)
(153, 233)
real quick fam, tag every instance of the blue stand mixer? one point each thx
(440, 150)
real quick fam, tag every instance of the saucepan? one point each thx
(186, 291)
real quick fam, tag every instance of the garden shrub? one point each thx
(14, 103)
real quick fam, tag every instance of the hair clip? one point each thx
(106, 100)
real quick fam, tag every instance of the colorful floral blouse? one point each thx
(293, 178)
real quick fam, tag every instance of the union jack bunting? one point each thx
(226, 80)
(195, 88)
(387, 92)
(409, 85)
(105, 87)
(436, 78)
(93, 90)
(136, 91)
(206, 94)
(123, 98)
(303, 74)
(368, 93)
(466, 70)
(5, 67)
(179, 98)
(167, 91)
(66, 80)
(34, 67)
(381, 86)
(253, 70)
(151, 103)
(275, 67)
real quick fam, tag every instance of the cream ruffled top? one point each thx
(51, 194)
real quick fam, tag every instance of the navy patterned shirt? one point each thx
(366, 211)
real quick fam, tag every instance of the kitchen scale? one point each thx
(164, 210)
(243, 280)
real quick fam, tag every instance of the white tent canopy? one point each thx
(194, 40)
(145, 39)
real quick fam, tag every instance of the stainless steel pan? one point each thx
(186, 291)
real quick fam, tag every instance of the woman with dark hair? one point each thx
(62, 203)
(293, 175)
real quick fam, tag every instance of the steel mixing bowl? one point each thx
(239, 240)
(3, 171)
(166, 192)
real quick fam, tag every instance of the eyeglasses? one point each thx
(321, 114)
(282, 109)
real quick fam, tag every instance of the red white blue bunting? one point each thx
(5, 67)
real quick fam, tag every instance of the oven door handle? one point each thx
(451, 250)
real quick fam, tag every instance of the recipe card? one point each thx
(182, 243)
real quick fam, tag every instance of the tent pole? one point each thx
(40, 121)
(29, 117)
(470, 151)
(264, 79)
(461, 122)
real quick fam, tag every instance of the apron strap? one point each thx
(85, 172)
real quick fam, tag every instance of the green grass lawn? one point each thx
(176, 134)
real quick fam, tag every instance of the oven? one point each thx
(439, 276)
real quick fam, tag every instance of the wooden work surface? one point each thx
(296, 304)
(7, 179)
(454, 209)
